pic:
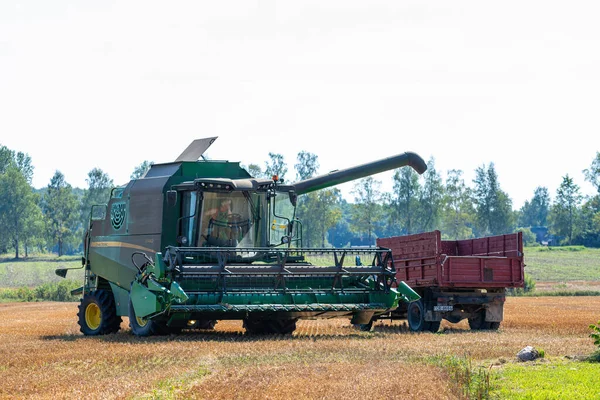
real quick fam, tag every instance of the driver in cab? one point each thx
(222, 213)
(222, 228)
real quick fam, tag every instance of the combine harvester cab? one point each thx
(197, 241)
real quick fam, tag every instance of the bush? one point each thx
(529, 287)
(529, 284)
(470, 382)
(595, 335)
(60, 291)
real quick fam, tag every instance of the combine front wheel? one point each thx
(144, 327)
(97, 314)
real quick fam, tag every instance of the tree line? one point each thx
(54, 218)
(51, 219)
(421, 203)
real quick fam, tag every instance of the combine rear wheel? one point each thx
(416, 318)
(97, 314)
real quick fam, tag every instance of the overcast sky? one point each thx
(110, 84)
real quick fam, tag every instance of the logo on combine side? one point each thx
(117, 215)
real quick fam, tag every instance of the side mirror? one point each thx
(62, 272)
(171, 197)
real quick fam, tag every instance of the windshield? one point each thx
(232, 220)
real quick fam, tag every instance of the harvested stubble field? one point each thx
(43, 355)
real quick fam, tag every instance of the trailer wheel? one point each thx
(433, 326)
(478, 323)
(494, 326)
(144, 327)
(416, 318)
(97, 314)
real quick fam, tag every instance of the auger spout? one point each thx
(360, 171)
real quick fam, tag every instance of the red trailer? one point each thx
(456, 279)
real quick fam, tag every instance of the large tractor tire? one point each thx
(147, 327)
(477, 322)
(416, 318)
(97, 314)
(270, 326)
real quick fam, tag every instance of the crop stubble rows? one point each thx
(43, 355)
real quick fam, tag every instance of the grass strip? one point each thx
(571, 380)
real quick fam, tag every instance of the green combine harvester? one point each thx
(197, 241)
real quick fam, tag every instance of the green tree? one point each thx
(590, 223)
(341, 234)
(564, 211)
(592, 174)
(589, 232)
(20, 160)
(98, 192)
(405, 199)
(326, 211)
(276, 166)
(254, 170)
(493, 207)
(307, 165)
(528, 236)
(60, 207)
(535, 212)
(33, 233)
(23, 163)
(7, 158)
(367, 208)
(457, 208)
(17, 203)
(430, 199)
(141, 169)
